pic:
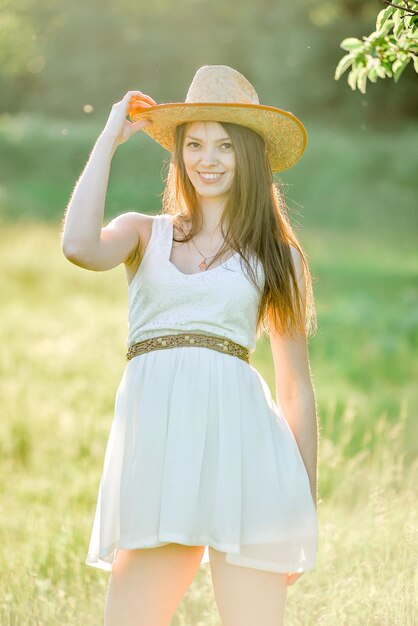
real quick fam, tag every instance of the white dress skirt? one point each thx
(200, 454)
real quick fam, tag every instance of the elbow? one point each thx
(69, 250)
(72, 252)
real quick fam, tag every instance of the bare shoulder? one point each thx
(297, 260)
(141, 223)
(133, 219)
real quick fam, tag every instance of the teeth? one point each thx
(210, 176)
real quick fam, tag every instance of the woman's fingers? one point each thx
(141, 124)
(139, 95)
(140, 104)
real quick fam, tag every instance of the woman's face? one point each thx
(207, 149)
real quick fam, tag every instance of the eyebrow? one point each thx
(197, 138)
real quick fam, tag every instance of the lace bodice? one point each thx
(219, 301)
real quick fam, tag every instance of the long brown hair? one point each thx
(256, 221)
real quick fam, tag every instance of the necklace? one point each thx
(202, 265)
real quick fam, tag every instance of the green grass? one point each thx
(63, 337)
(63, 332)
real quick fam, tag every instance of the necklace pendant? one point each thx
(202, 265)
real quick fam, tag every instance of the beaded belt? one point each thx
(185, 340)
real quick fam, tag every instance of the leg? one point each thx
(246, 596)
(147, 584)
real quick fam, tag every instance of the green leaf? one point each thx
(343, 64)
(397, 18)
(382, 17)
(388, 68)
(398, 67)
(350, 43)
(362, 79)
(352, 77)
(387, 26)
(398, 29)
(396, 64)
(380, 71)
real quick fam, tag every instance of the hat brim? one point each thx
(283, 132)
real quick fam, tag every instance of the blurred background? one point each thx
(352, 202)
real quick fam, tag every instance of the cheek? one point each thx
(188, 160)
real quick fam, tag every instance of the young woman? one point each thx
(201, 463)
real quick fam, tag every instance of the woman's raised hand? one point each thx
(117, 126)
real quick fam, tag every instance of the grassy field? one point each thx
(63, 333)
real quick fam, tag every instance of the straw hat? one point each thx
(220, 93)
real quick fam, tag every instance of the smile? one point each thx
(210, 177)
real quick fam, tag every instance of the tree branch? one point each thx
(408, 10)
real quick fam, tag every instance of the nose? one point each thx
(209, 156)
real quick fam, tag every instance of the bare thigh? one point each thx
(147, 584)
(246, 596)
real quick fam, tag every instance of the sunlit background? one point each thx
(352, 201)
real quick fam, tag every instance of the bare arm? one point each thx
(294, 390)
(85, 241)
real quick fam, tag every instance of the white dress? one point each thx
(199, 453)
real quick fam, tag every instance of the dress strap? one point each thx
(160, 238)
(164, 234)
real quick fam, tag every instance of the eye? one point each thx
(194, 143)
